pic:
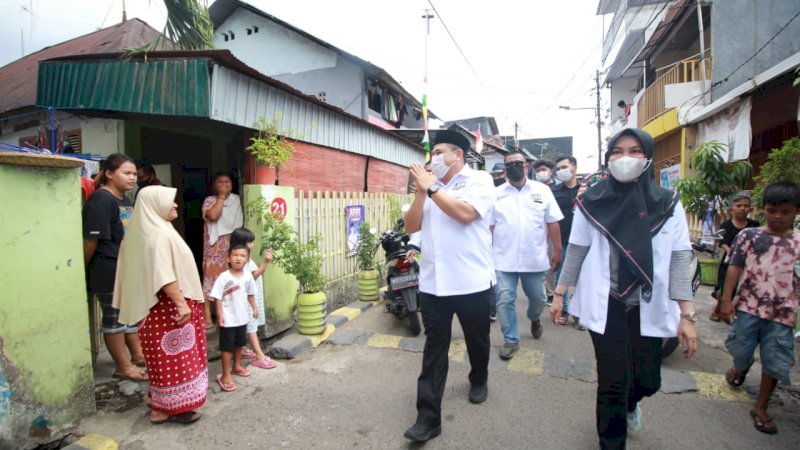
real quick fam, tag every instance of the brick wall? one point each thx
(323, 169)
(387, 177)
(317, 168)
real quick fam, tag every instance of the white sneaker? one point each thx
(635, 419)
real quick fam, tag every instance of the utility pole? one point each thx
(599, 124)
(124, 12)
(516, 141)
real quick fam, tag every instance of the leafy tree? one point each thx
(716, 179)
(783, 164)
(188, 27)
(365, 252)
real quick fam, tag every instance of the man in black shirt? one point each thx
(565, 194)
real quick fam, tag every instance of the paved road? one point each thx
(358, 389)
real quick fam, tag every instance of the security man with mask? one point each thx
(456, 273)
(525, 215)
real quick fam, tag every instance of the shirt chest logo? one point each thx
(459, 185)
(536, 198)
(230, 287)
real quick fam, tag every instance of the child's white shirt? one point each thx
(259, 296)
(233, 292)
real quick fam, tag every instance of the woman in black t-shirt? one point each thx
(105, 215)
(740, 208)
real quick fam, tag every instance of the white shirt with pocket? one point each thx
(233, 292)
(457, 258)
(520, 218)
(660, 316)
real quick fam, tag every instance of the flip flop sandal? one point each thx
(225, 387)
(562, 320)
(761, 425)
(183, 418)
(266, 364)
(244, 373)
(121, 376)
(248, 354)
(734, 378)
(138, 364)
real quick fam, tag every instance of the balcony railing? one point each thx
(651, 105)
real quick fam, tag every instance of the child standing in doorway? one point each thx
(232, 292)
(764, 310)
(243, 236)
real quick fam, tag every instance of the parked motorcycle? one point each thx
(402, 277)
(668, 345)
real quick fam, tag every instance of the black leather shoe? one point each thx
(421, 432)
(478, 393)
(536, 328)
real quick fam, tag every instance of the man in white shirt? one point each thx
(525, 215)
(456, 273)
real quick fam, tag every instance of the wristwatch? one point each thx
(432, 189)
(690, 316)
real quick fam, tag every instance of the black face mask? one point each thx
(499, 181)
(515, 173)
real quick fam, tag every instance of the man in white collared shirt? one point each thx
(456, 273)
(525, 214)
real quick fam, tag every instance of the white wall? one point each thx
(274, 50)
(98, 136)
(295, 60)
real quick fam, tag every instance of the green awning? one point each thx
(175, 87)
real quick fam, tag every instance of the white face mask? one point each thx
(628, 168)
(438, 168)
(542, 177)
(564, 175)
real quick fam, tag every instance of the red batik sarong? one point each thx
(177, 365)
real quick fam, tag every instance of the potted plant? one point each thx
(304, 261)
(269, 148)
(368, 275)
(703, 195)
(299, 259)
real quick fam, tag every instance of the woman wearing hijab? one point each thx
(628, 257)
(158, 286)
(222, 213)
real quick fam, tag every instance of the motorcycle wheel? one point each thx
(413, 323)
(668, 346)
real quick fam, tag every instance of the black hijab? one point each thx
(629, 215)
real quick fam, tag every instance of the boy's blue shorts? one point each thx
(775, 342)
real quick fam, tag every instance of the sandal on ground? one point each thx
(227, 387)
(761, 425)
(183, 418)
(248, 354)
(735, 378)
(140, 376)
(267, 363)
(577, 324)
(714, 316)
(563, 319)
(244, 373)
(138, 363)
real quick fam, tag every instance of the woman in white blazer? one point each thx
(628, 258)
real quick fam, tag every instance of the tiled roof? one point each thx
(18, 79)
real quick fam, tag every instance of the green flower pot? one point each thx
(368, 285)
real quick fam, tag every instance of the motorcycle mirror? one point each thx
(388, 231)
(405, 208)
(373, 230)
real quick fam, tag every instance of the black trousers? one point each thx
(628, 369)
(472, 311)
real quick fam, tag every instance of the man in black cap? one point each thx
(456, 273)
(499, 173)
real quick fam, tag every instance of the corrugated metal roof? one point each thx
(18, 79)
(178, 87)
(239, 99)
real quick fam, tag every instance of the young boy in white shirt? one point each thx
(232, 292)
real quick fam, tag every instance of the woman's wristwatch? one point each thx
(690, 316)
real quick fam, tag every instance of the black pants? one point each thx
(472, 311)
(628, 369)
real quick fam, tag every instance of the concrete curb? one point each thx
(295, 344)
(94, 442)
